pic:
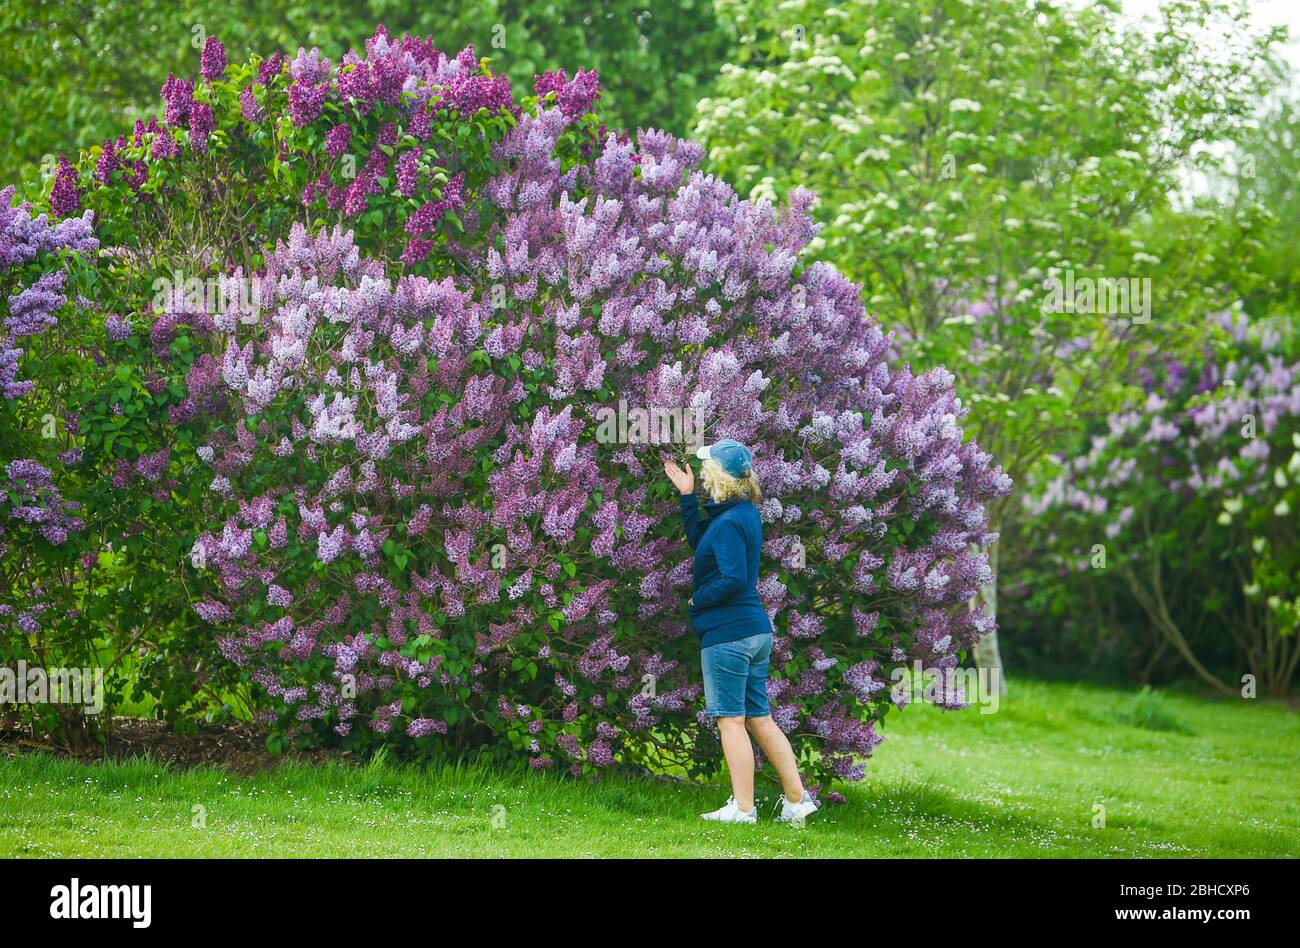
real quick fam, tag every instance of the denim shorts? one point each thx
(735, 677)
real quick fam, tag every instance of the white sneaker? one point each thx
(732, 813)
(796, 814)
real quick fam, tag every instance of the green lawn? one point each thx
(1177, 776)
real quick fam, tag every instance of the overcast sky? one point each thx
(1264, 13)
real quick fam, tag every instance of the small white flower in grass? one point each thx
(964, 105)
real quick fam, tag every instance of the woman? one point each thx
(733, 628)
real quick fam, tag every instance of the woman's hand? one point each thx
(684, 481)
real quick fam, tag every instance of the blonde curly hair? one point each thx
(720, 485)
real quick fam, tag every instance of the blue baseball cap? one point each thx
(732, 456)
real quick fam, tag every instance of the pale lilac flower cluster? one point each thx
(32, 499)
(249, 108)
(117, 328)
(29, 244)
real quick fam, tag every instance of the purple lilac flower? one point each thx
(178, 94)
(337, 139)
(212, 63)
(574, 97)
(65, 199)
(422, 727)
(31, 311)
(249, 109)
(201, 125)
(117, 327)
(408, 171)
(270, 68)
(306, 102)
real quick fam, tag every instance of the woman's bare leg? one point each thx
(740, 760)
(777, 748)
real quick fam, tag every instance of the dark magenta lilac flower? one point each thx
(213, 61)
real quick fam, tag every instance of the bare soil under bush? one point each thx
(239, 746)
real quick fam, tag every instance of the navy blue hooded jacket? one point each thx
(725, 590)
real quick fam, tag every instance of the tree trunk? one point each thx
(1153, 604)
(987, 653)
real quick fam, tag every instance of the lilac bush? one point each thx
(414, 532)
(431, 540)
(1184, 507)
